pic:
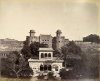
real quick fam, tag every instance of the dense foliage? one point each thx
(14, 65)
(71, 47)
(71, 53)
(86, 67)
(92, 38)
(32, 50)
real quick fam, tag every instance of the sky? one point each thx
(75, 18)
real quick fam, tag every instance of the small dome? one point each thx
(58, 31)
(32, 31)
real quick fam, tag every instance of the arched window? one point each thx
(42, 56)
(45, 54)
(45, 67)
(49, 67)
(41, 68)
(49, 55)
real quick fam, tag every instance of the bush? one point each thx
(50, 76)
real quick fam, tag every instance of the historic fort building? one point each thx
(53, 42)
(46, 62)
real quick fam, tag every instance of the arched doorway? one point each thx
(45, 67)
(41, 68)
(49, 67)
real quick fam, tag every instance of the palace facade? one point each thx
(53, 42)
(46, 62)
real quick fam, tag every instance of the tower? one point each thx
(58, 33)
(32, 33)
(58, 36)
(32, 36)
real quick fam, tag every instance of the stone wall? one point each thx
(10, 45)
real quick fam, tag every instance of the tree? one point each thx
(15, 64)
(58, 53)
(63, 73)
(71, 52)
(91, 63)
(26, 51)
(71, 47)
(50, 76)
(32, 50)
(92, 38)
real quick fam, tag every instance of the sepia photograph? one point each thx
(49, 40)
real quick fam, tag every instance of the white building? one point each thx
(45, 63)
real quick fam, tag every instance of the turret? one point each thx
(31, 37)
(58, 33)
(32, 33)
(58, 36)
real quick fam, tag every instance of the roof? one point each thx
(44, 61)
(45, 35)
(32, 31)
(58, 31)
(45, 49)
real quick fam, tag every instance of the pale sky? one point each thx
(75, 18)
